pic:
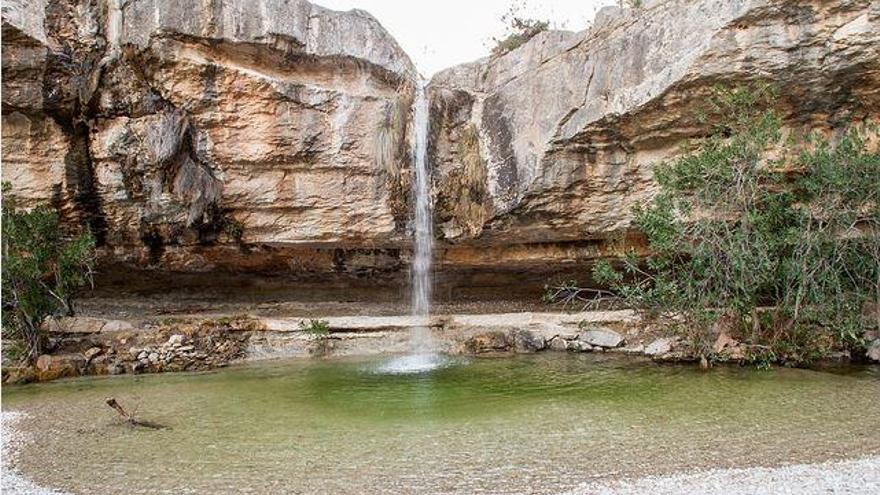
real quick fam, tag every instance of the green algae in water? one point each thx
(538, 423)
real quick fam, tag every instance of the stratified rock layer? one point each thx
(197, 135)
(554, 141)
(272, 135)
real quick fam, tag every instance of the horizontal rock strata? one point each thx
(273, 136)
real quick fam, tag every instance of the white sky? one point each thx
(439, 34)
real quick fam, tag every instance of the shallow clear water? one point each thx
(526, 424)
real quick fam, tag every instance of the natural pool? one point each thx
(527, 424)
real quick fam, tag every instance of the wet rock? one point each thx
(601, 337)
(874, 351)
(19, 374)
(493, 341)
(579, 346)
(525, 341)
(659, 347)
(557, 344)
(51, 367)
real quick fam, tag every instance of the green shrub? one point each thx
(42, 270)
(520, 30)
(320, 332)
(782, 252)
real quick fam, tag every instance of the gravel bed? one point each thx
(11, 481)
(861, 476)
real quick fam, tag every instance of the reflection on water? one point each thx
(539, 423)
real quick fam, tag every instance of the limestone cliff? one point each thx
(554, 141)
(273, 134)
(195, 134)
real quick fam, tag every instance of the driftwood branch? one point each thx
(130, 418)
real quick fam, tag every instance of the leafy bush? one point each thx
(42, 270)
(783, 252)
(320, 332)
(520, 30)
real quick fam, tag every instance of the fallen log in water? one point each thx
(130, 417)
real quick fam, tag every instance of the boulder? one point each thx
(50, 367)
(601, 337)
(486, 342)
(873, 352)
(525, 341)
(557, 344)
(579, 346)
(117, 326)
(659, 347)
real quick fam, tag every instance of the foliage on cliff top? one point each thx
(520, 29)
(782, 252)
(42, 270)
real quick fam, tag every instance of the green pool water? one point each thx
(527, 424)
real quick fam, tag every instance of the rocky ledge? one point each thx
(95, 346)
(272, 135)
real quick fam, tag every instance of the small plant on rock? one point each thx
(520, 29)
(319, 330)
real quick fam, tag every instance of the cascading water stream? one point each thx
(422, 355)
(423, 226)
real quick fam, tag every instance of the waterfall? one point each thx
(422, 356)
(423, 226)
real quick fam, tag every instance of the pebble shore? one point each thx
(853, 477)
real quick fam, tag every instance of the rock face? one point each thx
(273, 135)
(184, 131)
(554, 142)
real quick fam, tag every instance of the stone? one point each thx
(50, 367)
(153, 357)
(601, 337)
(486, 342)
(117, 326)
(18, 374)
(873, 352)
(659, 347)
(557, 344)
(91, 353)
(579, 346)
(722, 342)
(176, 340)
(75, 325)
(142, 355)
(525, 341)
(134, 352)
